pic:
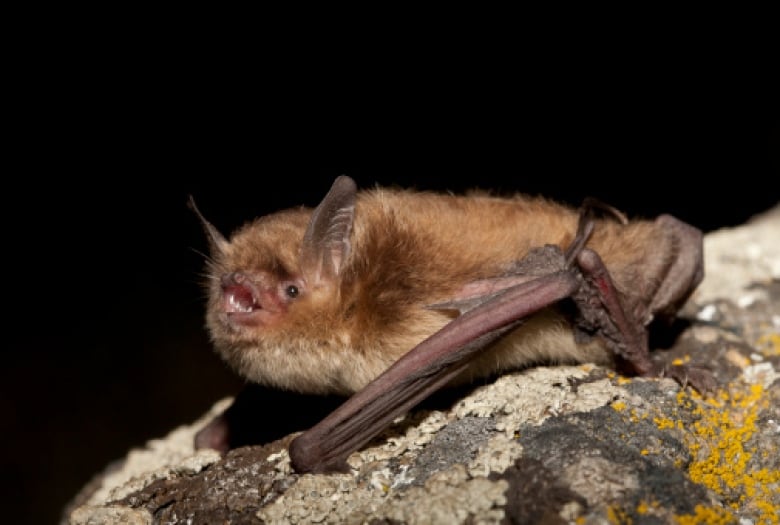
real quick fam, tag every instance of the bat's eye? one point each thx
(292, 291)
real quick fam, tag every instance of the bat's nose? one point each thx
(233, 278)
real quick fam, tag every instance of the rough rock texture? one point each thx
(546, 445)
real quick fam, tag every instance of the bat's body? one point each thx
(326, 302)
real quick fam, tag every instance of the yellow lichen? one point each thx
(635, 417)
(618, 516)
(769, 344)
(717, 442)
(619, 406)
(706, 515)
(769, 512)
(663, 422)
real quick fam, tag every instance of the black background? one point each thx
(105, 344)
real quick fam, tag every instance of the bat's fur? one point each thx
(410, 250)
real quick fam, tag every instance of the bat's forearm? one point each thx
(425, 369)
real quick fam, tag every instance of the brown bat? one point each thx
(393, 294)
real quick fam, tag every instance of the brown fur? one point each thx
(410, 250)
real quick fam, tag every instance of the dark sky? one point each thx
(106, 346)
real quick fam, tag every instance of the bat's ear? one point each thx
(217, 242)
(326, 241)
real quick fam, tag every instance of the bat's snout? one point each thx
(247, 302)
(239, 294)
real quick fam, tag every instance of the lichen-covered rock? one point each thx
(170, 457)
(88, 515)
(546, 445)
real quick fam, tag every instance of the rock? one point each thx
(88, 515)
(545, 445)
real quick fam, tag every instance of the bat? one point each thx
(391, 294)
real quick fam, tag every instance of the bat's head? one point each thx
(274, 292)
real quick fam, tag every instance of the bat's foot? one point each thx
(698, 378)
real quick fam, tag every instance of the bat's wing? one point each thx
(423, 370)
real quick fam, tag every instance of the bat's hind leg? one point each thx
(601, 307)
(601, 310)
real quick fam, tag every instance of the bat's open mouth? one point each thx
(240, 299)
(245, 304)
(241, 306)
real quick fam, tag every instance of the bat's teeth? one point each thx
(236, 304)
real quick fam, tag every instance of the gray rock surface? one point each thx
(545, 445)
